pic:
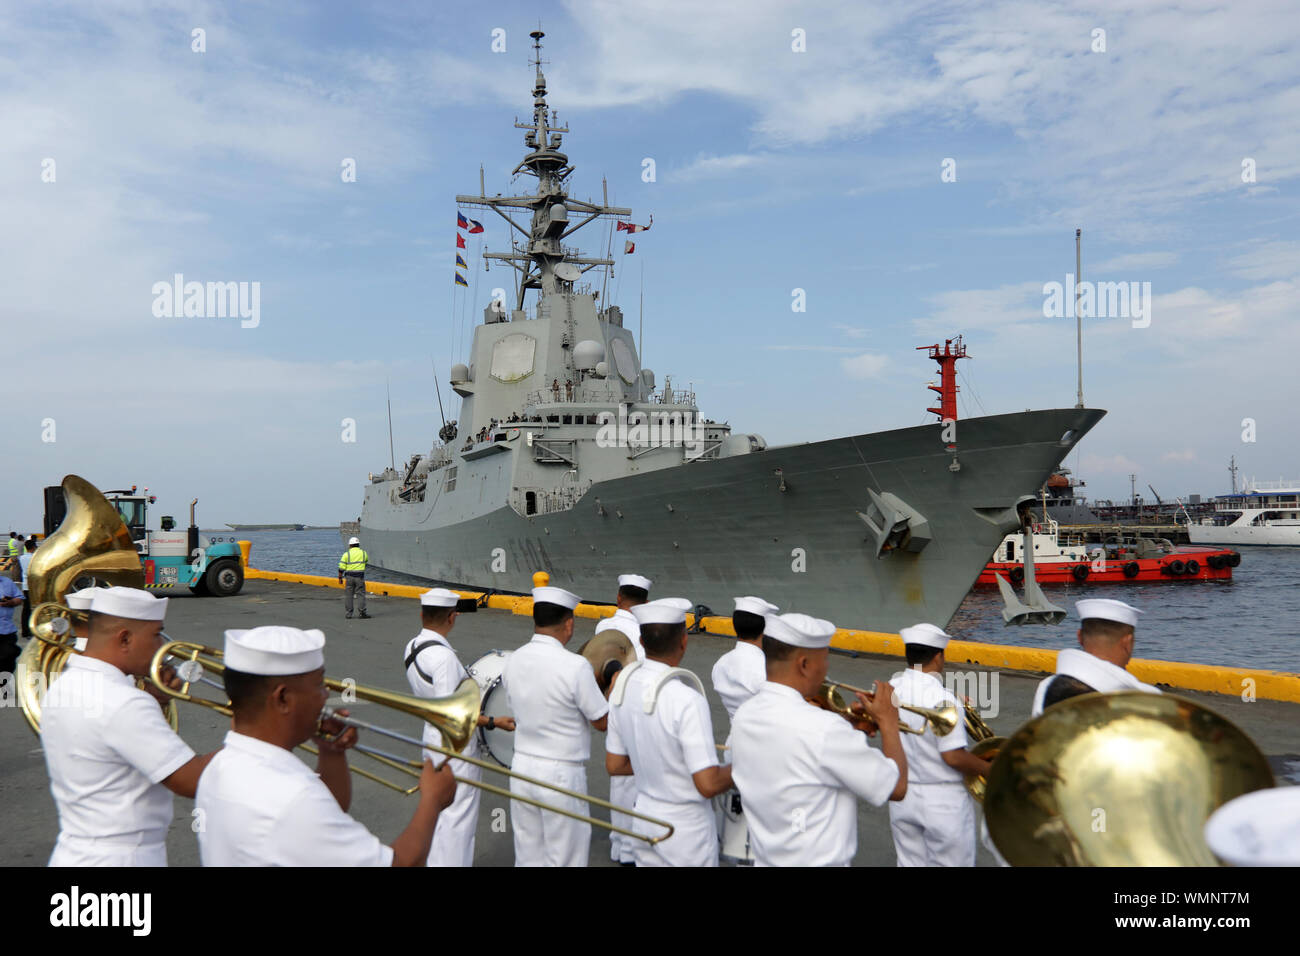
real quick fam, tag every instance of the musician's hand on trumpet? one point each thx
(877, 710)
(437, 784)
(167, 675)
(333, 735)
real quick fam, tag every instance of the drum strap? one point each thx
(651, 695)
(415, 652)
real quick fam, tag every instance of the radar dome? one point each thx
(601, 370)
(459, 373)
(588, 354)
(648, 377)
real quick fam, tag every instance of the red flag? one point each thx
(460, 241)
(629, 247)
(633, 227)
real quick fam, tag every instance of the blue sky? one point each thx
(775, 170)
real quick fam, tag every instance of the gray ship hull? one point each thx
(784, 523)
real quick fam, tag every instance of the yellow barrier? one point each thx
(1234, 681)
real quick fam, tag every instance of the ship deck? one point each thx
(370, 652)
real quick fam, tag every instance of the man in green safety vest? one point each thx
(352, 575)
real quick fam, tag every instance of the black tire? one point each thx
(224, 578)
(200, 587)
(1216, 562)
(1131, 569)
(1177, 567)
(1080, 572)
(1017, 575)
(1234, 559)
(1193, 567)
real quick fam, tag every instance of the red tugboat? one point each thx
(1064, 559)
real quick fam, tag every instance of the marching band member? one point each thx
(741, 671)
(434, 670)
(113, 761)
(80, 601)
(1261, 828)
(258, 804)
(553, 695)
(1106, 634)
(934, 825)
(633, 590)
(659, 727)
(798, 767)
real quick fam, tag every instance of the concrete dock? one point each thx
(369, 651)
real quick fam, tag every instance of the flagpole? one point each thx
(640, 322)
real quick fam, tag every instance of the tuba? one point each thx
(92, 542)
(1120, 779)
(986, 743)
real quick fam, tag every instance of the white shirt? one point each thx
(443, 667)
(259, 805)
(624, 621)
(798, 769)
(553, 697)
(670, 745)
(924, 761)
(1101, 676)
(107, 747)
(24, 560)
(738, 675)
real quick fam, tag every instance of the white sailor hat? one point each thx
(634, 581)
(1107, 610)
(439, 597)
(550, 595)
(80, 600)
(1258, 829)
(353, 540)
(130, 603)
(274, 650)
(926, 635)
(662, 611)
(798, 630)
(755, 605)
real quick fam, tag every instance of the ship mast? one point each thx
(538, 249)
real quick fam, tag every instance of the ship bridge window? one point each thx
(553, 419)
(567, 419)
(1011, 551)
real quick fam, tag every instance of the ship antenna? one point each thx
(640, 322)
(439, 393)
(392, 459)
(1078, 319)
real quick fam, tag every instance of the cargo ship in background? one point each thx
(559, 460)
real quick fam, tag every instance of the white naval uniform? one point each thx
(934, 825)
(553, 697)
(739, 674)
(667, 747)
(107, 748)
(622, 790)
(1101, 676)
(799, 769)
(261, 806)
(453, 839)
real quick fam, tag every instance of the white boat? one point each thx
(1265, 513)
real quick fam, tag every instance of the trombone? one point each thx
(454, 716)
(828, 697)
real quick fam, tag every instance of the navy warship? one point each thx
(568, 459)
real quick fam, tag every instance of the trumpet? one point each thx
(828, 697)
(987, 744)
(455, 717)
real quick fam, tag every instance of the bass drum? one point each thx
(487, 672)
(733, 831)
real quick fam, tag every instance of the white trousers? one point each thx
(90, 851)
(543, 838)
(934, 825)
(695, 833)
(622, 790)
(453, 838)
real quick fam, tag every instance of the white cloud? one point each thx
(866, 365)
(1268, 260)
(1132, 262)
(712, 167)
(1185, 455)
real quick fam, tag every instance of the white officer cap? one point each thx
(815, 630)
(634, 581)
(755, 605)
(1259, 829)
(662, 611)
(439, 597)
(353, 540)
(274, 650)
(80, 600)
(1107, 610)
(550, 595)
(130, 603)
(926, 635)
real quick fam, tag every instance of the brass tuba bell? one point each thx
(93, 541)
(1121, 779)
